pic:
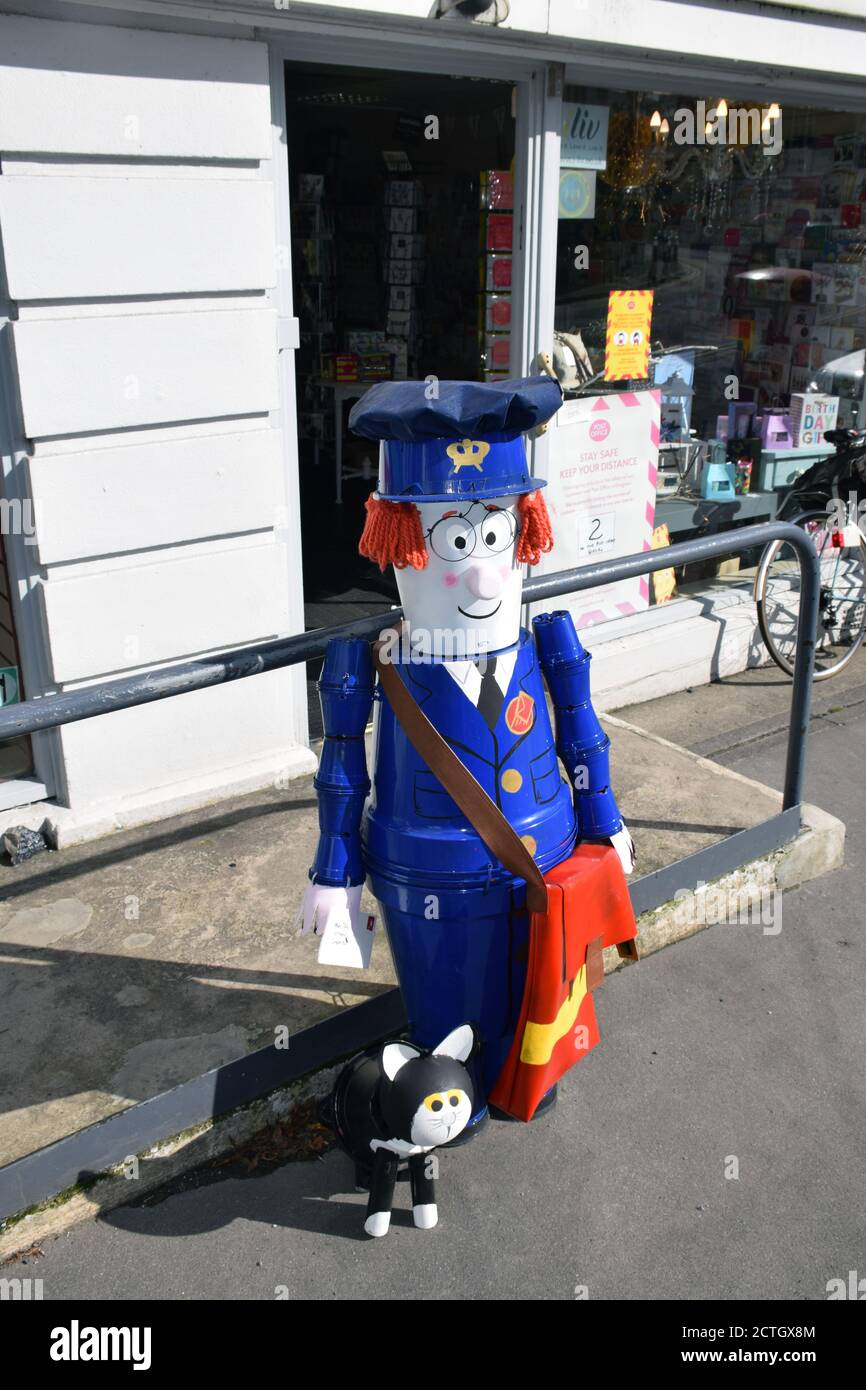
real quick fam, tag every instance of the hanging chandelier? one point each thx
(702, 146)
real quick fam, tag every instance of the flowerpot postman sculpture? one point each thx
(498, 889)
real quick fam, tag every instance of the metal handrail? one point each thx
(67, 707)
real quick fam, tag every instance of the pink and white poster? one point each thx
(601, 492)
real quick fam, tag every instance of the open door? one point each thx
(402, 234)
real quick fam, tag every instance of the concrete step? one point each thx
(710, 631)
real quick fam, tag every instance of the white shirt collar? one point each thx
(468, 677)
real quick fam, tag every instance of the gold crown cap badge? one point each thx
(468, 453)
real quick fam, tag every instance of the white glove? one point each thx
(335, 915)
(624, 846)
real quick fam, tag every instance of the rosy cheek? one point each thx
(449, 579)
(505, 571)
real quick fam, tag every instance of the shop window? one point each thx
(747, 219)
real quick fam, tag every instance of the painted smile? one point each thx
(482, 616)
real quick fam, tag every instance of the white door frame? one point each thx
(289, 527)
(539, 125)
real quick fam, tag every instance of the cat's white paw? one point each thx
(425, 1216)
(378, 1223)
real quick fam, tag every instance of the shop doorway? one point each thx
(401, 198)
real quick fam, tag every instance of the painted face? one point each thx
(440, 1117)
(466, 600)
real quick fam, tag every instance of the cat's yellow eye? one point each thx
(435, 1102)
(455, 1097)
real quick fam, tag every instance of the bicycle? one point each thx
(823, 501)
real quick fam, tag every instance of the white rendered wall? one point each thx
(808, 38)
(137, 210)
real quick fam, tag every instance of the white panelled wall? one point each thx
(137, 211)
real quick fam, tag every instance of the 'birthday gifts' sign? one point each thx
(627, 346)
(812, 415)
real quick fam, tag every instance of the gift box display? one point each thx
(400, 324)
(404, 272)
(403, 193)
(498, 272)
(777, 431)
(406, 246)
(402, 220)
(401, 298)
(742, 476)
(499, 313)
(340, 366)
(364, 341)
(740, 415)
(374, 366)
(500, 231)
(497, 234)
(497, 189)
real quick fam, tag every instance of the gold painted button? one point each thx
(530, 843)
(511, 780)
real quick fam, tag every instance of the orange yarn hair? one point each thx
(392, 532)
(392, 535)
(536, 532)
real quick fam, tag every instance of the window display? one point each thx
(743, 218)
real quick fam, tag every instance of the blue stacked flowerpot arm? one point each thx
(581, 743)
(346, 689)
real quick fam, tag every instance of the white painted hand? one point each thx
(335, 916)
(624, 846)
(321, 903)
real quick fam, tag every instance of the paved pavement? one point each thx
(162, 952)
(737, 1050)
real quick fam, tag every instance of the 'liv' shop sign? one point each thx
(584, 136)
(601, 491)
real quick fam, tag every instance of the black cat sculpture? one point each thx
(398, 1102)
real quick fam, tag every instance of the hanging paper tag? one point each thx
(348, 941)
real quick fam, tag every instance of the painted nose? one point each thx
(484, 581)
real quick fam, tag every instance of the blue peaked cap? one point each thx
(464, 444)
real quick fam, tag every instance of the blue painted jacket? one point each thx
(406, 828)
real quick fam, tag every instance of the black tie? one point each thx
(490, 696)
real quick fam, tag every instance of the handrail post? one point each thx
(804, 667)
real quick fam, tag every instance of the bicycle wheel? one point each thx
(842, 607)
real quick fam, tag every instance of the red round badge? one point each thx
(520, 713)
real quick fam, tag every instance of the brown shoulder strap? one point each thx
(500, 838)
